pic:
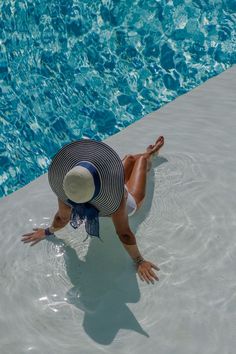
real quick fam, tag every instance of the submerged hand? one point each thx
(146, 273)
(34, 237)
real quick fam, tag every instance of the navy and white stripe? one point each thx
(107, 163)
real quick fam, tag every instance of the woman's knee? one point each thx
(129, 157)
(144, 158)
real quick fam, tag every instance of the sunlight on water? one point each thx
(76, 69)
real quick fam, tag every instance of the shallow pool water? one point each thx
(75, 69)
(68, 296)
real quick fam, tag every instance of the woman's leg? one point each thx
(137, 176)
(128, 163)
(137, 181)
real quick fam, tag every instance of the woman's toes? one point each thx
(158, 144)
(149, 148)
(160, 139)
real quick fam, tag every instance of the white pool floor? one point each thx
(69, 296)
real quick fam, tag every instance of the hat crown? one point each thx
(109, 173)
(79, 184)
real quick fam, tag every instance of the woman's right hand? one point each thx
(34, 237)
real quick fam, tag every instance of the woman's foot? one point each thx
(153, 150)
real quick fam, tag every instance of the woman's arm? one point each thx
(128, 239)
(60, 220)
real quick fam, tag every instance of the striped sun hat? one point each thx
(88, 175)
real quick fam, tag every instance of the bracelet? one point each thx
(48, 232)
(139, 260)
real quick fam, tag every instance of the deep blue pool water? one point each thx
(74, 69)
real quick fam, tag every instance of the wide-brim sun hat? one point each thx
(69, 165)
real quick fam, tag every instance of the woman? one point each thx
(88, 178)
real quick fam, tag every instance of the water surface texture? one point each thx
(75, 69)
(66, 296)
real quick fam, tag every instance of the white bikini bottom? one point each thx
(130, 203)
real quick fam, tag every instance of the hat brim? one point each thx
(109, 167)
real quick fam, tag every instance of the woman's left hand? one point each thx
(146, 273)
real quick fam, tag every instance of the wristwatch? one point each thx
(48, 232)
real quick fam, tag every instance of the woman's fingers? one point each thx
(30, 233)
(34, 243)
(147, 274)
(149, 277)
(144, 277)
(28, 240)
(26, 237)
(140, 276)
(154, 266)
(34, 240)
(153, 274)
(36, 235)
